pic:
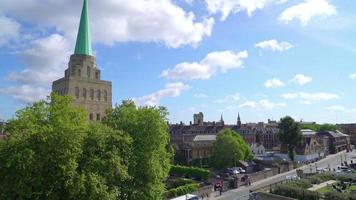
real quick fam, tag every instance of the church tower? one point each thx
(82, 77)
(238, 120)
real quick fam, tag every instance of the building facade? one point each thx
(349, 129)
(82, 78)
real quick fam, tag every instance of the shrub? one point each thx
(336, 196)
(304, 183)
(182, 190)
(294, 192)
(181, 182)
(190, 171)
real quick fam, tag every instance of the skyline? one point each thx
(266, 59)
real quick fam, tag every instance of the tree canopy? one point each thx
(228, 149)
(321, 127)
(289, 135)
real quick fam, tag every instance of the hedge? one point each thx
(190, 171)
(182, 190)
(181, 182)
(294, 192)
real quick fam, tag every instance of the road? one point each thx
(332, 161)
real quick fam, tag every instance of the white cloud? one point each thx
(301, 79)
(116, 20)
(171, 90)
(264, 104)
(267, 105)
(274, 45)
(25, 93)
(321, 96)
(200, 96)
(353, 76)
(274, 83)
(213, 63)
(335, 108)
(225, 7)
(248, 104)
(229, 98)
(10, 30)
(308, 9)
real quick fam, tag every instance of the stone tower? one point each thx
(82, 77)
(198, 118)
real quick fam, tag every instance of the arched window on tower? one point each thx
(73, 71)
(105, 96)
(77, 92)
(91, 94)
(98, 95)
(97, 75)
(88, 72)
(79, 73)
(84, 93)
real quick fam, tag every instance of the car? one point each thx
(294, 177)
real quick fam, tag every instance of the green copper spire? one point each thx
(83, 45)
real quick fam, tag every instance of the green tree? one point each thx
(289, 135)
(228, 149)
(151, 155)
(53, 154)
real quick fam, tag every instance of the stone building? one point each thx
(349, 129)
(82, 78)
(336, 141)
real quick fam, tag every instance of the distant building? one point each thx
(258, 149)
(186, 139)
(349, 129)
(335, 140)
(82, 78)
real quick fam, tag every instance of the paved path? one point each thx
(332, 161)
(322, 185)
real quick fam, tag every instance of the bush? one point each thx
(304, 183)
(182, 190)
(336, 196)
(190, 171)
(181, 182)
(294, 192)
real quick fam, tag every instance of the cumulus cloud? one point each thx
(308, 9)
(10, 30)
(353, 76)
(274, 45)
(301, 79)
(171, 90)
(213, 63)
(225, 7)
(116, 20)
(303, 96)
(229, 98)
(26, 93)
(262, 104)
(200, 96)
(274, 83)
(335, 108)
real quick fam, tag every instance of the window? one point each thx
(98, 95)
(96, 75)
(79, 72)
(91, 116)
(105, 96)
(88, 72)
(77, 92)
(92, 94)
(73, 71)
(98, 117)
(84, 93)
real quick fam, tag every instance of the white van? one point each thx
(187, 197)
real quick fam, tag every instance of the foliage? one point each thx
(151, 155)
(335, 195)
(53, 153)
(190, 172)
(182, 190)
(303, 183)
(289, 135)
(294, 192)
(228, 149)
(321, 127)
(180, 182)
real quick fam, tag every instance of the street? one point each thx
(332, 160)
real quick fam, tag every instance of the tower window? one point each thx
(91, 94)
(105, 96)
(88, 72)
(84, 93)
(77, 92)
(91, 116)
(98, 117)
(79, 73)
(96, 75)
(73, 71)
(98, 95)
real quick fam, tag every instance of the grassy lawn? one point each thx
(352, 188)
(325, 190)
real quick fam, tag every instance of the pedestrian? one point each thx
(207, 195)
(220, 191)
(202, 196)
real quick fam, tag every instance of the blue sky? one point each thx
(261, 58)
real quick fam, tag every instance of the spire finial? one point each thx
(83, 44)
